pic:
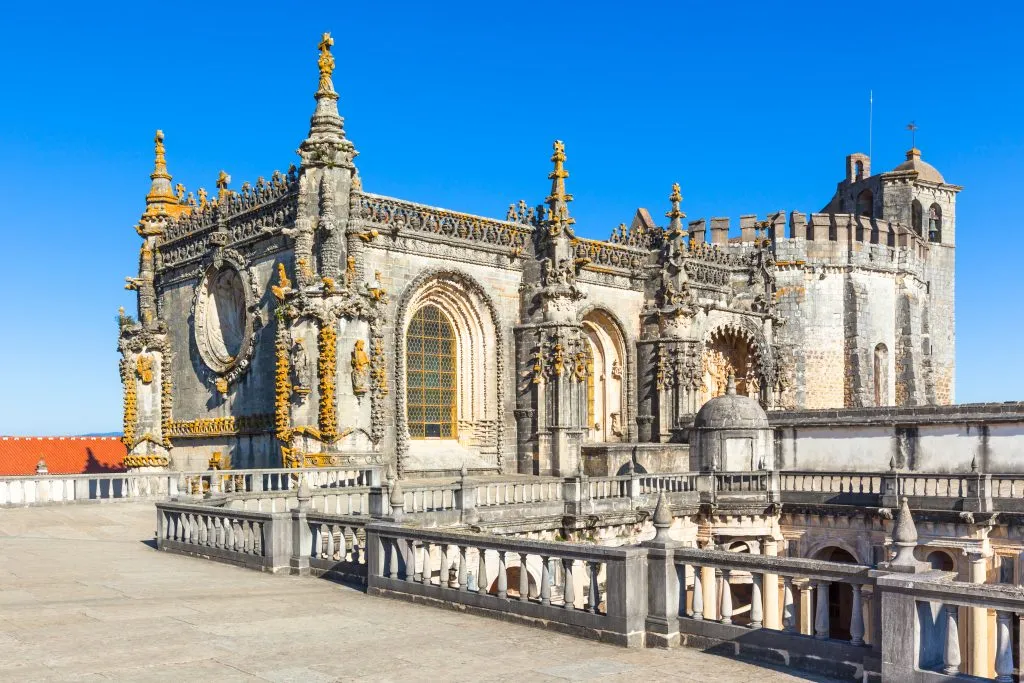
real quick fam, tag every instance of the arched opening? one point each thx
(447, 397)
(840, 595)
(728, 352)
(940, 560)
(431, 379)
(606, 376)
(512, 583)
(858, 171)
(866, 204)
(935, 223)
(881, 374)
(916, 216)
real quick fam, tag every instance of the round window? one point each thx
(222, 319)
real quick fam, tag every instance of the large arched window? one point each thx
(431, 376)
(866, 204)
(606, 373)
(935, 223)
(916, 216)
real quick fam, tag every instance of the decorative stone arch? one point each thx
(741, 348)
(480, 358)
(818, 549)
(217, 360)
(935, 222)
(610, 379)
(840, 595)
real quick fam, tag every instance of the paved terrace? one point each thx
(84, 596)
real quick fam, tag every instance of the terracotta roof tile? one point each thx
(63, 454)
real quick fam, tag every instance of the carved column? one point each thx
(770, 587)
(978, 658)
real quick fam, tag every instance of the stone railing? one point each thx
(132, 486)
(592, 591)
(510, 492)
(597, 255)
(741, 482)
(338, 546)
(931, 606)
(395, 215)
(257, 540)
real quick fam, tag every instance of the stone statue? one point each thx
(302, 371)
(360, 368)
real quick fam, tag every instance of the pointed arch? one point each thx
(607, 376)
(477, 355)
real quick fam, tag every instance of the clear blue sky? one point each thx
(752, 108)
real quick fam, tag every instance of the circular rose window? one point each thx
(221, 319)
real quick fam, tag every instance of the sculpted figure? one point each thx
(302, 371)
(360, 368)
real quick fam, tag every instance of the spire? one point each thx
(558, 200)
(161, 198)
(675, 216)
(326, 143)
(904, 536)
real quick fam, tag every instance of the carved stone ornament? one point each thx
(226, 320)
(144, 368)
(360, 368)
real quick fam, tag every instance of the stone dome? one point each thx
(924, 170)
(731, 412)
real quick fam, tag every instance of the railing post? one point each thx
(626, 594)
(524, 579)
(857, 616)
(951, 652)
(466, 497)
(1004, 648)
(301, 535)
(568, 589)
(978, 658)
(481, 572)
(663, 591)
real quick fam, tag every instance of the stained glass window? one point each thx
(430, 375)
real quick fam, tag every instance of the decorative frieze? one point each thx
(327, 370)
(222, 426)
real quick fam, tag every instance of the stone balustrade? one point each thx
(76, 488)
(490, 493)
(256, 540)
(592, 591)
(338, 546)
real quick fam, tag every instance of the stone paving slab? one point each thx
(85, 597)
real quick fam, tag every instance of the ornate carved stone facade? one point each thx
(273, 320)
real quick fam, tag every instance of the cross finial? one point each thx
(558, 199)
(912, 127)
(675, 226)
(326, 63)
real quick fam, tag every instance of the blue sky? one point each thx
(752, 107)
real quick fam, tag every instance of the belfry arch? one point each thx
(448, 402)
(606, 377)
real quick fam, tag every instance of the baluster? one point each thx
(502, 576)
(463, 580)
(259, 546)
(442, 575)
(481, 572)
(756, 606)
(1004, 649)
(726, 598)
(951, 652)
(698, 595)
(428, 572)
(229, 534)
(594, 599)
(545, 580)
(393, 559)
(238, 535)
(788, 609)
(329, 551)
(524, 579)
(410, 560)
(821, 625)
(857, 618)
(568, 589)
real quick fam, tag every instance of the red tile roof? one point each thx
(63, 454)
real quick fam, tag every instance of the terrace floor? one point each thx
(84, 596)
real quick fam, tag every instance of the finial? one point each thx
(120, 311)
(161, 199)
(222, 184)
(41, 467)
(904, 536)
(464, 472)
(558, 200)
(675, 216)
(326, 63)
(397, 500)
(730, 385)
(892, 464)
(974, 463)
(662, 518)
(304, 495)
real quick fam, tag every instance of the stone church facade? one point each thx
(304, 320)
